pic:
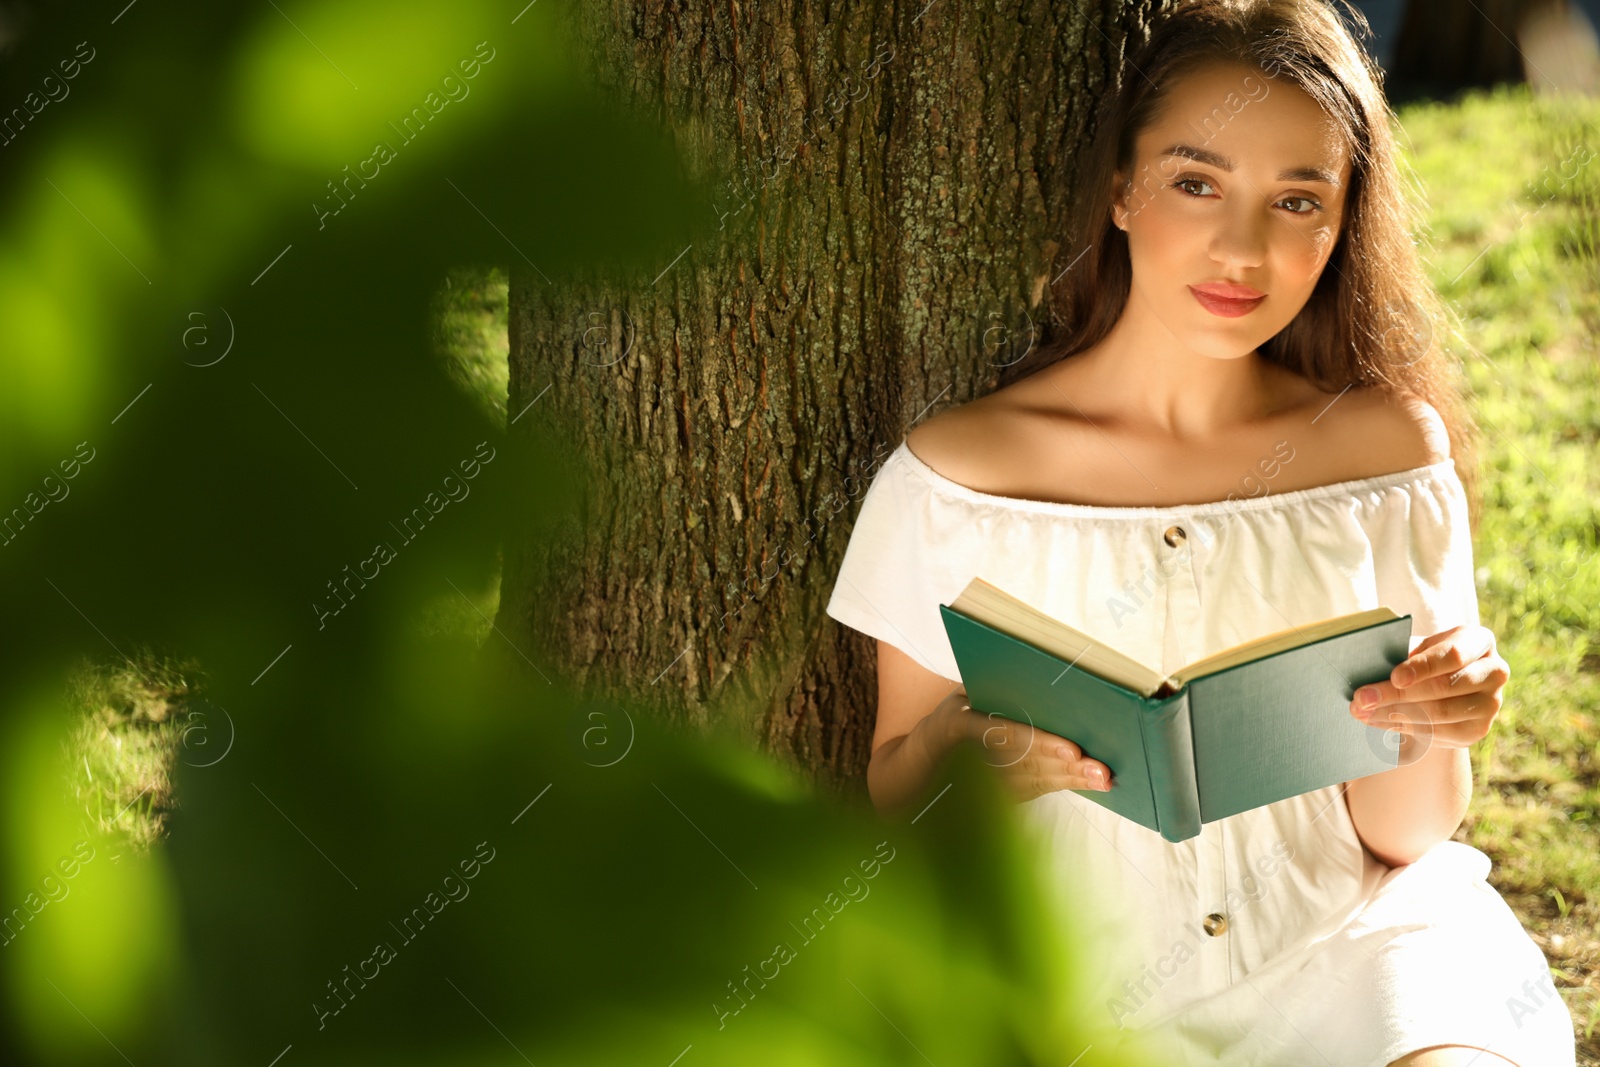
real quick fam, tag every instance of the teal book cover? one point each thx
(1249, 735)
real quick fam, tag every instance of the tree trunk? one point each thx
(890, 182)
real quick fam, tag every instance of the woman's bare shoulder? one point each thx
(951, 442)
(977, 443)
(1389, 429)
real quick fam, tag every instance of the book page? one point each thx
(995, 607)
(1281, 641)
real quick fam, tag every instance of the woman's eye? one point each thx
(1182, 182)
(1311, 209)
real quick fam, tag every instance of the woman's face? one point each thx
(1238, 188)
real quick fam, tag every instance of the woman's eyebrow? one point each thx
(1212, 159)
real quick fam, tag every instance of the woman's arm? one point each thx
(1402, 813)
(922, 716)
(898, 774)
(919, 722)
(1445, 696)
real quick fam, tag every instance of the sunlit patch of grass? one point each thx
(1512, 186)
(119, 759)
(471, 312)
(471, 334)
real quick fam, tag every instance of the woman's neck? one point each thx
(1144, 377)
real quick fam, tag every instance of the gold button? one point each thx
(1216, 924)
(1174, 536)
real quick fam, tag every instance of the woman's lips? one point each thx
(1227, 307)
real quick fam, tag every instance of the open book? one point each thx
(1250, 725)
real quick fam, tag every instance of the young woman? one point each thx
(1246, 423)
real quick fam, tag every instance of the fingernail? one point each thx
(1405, 675)
(1097, 776)
(1366, 698)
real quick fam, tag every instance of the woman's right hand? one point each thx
(1031, 761)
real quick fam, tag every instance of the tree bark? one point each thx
(886, 191)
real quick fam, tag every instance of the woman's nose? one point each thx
(1240, 238)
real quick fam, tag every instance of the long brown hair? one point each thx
(1373, 318)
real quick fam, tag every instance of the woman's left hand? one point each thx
(1447, 692)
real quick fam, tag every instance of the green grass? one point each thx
(470, 313)
(137, 715)
(1513, 214)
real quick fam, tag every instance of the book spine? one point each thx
(1169, 750)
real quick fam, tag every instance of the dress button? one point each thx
(1216, 924)
(1174, 536)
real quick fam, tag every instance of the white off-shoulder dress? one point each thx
(1273, 937)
